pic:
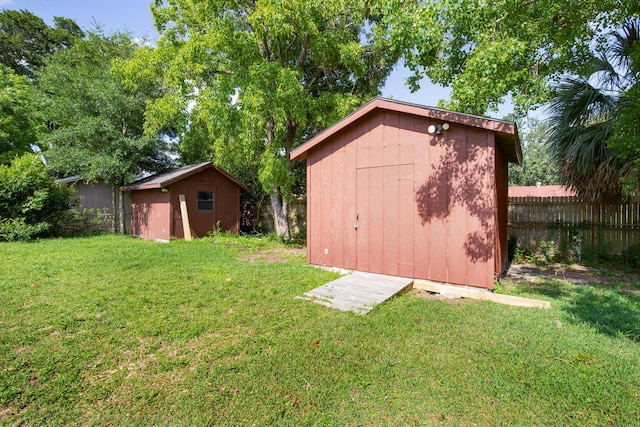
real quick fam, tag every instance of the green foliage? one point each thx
(19, 117)
(625, 136)
(16, 229)
(31, 203)
(87, 222)
(545, 253)
(631, 256)
(263, 77)
(488, 50)
(26, 40)
(584, 116)
(99, 119)
(537, 167)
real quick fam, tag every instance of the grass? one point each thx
(115, 331)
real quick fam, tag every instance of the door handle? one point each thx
(357, 220)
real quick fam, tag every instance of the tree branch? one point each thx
(280, 53)
(303, 52)
(265, 46)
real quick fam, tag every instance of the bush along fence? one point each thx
(257, 216)
(574, 225)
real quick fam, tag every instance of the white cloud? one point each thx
(5, 2)
(140, 41)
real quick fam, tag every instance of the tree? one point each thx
(538, 166)
(626, 131)
(264, 76)
(488, 50)
(585, 115)
(31, 203)
(98, 132)
(25, 39)
(18, 115)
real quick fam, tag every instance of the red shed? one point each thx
(413, 191)
(211, 195)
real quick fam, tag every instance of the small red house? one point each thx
(541, 191)
(211, 196)
(413, 191)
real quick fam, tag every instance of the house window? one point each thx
(205, 201)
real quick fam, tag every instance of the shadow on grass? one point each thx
(556, 289)
(612, 312)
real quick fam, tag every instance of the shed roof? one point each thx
(541, 191)
(506, 132)
(166, 179)
(69, 179)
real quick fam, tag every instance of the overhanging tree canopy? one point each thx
(264, 75)
(26, 40)
(487, 50)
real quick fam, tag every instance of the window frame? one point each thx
(202, 196)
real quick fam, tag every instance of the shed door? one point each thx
(384, 214)
(203, 220)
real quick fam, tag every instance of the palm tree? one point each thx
(583, 115)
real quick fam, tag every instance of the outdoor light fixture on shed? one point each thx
(438, 128)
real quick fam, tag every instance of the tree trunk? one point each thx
(281, 215)
(114, 208)
(123, 228)
(278, 204)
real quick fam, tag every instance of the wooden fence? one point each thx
(570, 221)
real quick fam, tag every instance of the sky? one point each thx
(135, 17)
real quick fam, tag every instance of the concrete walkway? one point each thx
(358, 292)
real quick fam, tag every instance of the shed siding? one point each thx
(424, 204)
(338, 215)
(502, 207)
(314, 185)
(98, 196)
(150, 214)
(348, 232)
(157, 214)
(326, 224)
(422, 157)
(226, 204)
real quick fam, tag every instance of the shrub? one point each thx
(631, 256)
(32, 204)
(87, 222)
(12, 229)
(546, 253)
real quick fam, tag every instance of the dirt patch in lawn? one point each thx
(576, 274)
(438, 297)
(273, 255)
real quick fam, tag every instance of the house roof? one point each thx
(506, 132)
(69, 179)
(541, 191)
(166, 179)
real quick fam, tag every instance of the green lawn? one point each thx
(116, 331)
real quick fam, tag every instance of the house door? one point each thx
(384, 214)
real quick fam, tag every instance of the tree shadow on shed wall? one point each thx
(140, 214)
(456, 179)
